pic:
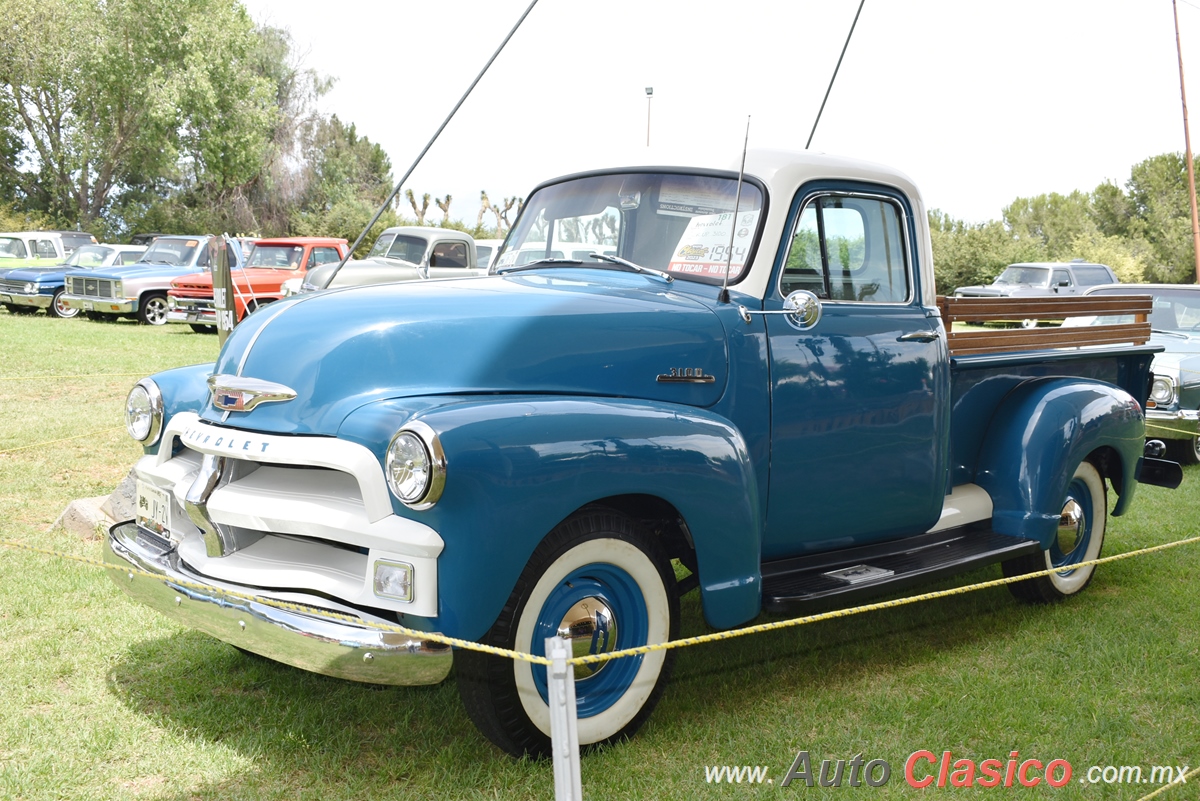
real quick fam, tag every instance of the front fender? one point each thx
(1041, 431)
(516, 467)
(184, 389)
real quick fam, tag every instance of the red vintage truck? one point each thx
(268, 265)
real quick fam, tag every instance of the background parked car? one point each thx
(486, 251)
(404, 253)
(268, 265)
(72, 240)
(1172, 410)
(31, 249)
(1039, 279)
(27, 289)
(139, 290)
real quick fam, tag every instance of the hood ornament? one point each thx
(235, 393)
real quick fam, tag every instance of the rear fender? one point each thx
(517, 467)
(1040, 433)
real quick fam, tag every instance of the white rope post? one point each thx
(564, 725)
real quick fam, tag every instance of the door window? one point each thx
(449, 254)
(848, 248)
(1061, 278)
(45, 249)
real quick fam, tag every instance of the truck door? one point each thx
(858, 398)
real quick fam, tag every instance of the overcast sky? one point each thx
(979, 102)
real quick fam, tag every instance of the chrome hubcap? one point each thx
(591, 628)
(1070, 526)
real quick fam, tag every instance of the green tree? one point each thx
(1161, 213)
(129, 95)
(1055, 220)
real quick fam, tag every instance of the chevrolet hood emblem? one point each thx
(234, 393)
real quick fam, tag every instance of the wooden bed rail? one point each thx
(1004, 340)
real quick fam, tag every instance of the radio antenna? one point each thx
(724, 296)
(436, 134)
(835, 72)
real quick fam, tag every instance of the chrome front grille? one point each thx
(90, 287)
(12, 286)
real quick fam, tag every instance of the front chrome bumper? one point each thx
(105, 305)
(22, 299)
(1180, 424)
(345, 650)
(195, 316)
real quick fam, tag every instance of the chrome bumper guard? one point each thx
(24, 299)
(105, 305)
(336, 648)
(1181, 424)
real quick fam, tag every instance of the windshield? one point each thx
(1175, 310)
(1035, 276)
(276, 257)
(381, 245)
(672, 222)
(11, 248)
(175, 252)
(89, 256)
(408, 248)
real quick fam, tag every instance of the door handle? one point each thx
(918, 336)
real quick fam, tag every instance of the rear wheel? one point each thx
(608, 586)
(1080, 538)
(58, 308)
(153, 309)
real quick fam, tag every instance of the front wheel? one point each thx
(1079, 538)
(153, 309)
(58, 308)
(604, 584)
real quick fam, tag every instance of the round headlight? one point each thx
(30, 288)
(1162, 391)
(416, 466)
(171, 302)
(144, 412)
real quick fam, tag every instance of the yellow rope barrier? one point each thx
(593, 658)
(64, 439)
(105, 375)
(1166, 787)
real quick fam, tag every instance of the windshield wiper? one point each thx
(637, 268)
(539, 263)
(1168, 333)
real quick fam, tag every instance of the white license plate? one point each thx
(153, 508)
(87, 305)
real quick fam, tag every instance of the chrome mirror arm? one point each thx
(802, 309)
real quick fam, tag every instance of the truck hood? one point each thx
(253, 275)
(139, 270)
(991, 290)
(38, 273)
(564, 332)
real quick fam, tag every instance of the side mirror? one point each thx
(803, 309)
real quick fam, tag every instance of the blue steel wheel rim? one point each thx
(622, 594)
(1077, 491)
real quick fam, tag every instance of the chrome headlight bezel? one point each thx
(149, 412)
(118, 290)
(423, 442)
(31, 288)
(1164, 390)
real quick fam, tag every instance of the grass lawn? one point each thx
(101, 698)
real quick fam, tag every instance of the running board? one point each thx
(798, 584)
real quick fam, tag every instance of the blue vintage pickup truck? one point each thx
(747, 389)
